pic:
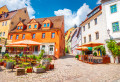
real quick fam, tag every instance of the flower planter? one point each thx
(29, 70)
(1, 63)
(46, 63)
(5, 64)
(10, 65)
(51, 66)
(38, 70)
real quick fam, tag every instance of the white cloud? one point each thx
(72, 18)
(98, 2)
(17, 4)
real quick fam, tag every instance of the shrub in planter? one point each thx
(39, 69)
(77, 56)
(10, 64)
(6, 55)
(94, 54)
(28, 69)
(46, 62)
(1, 62)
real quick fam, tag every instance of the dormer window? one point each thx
(48, 24)
(21, 27)
(29, 26)
(18, 27)
(44, 25)
(35, 26)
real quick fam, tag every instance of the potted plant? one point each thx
(46, 63)
(77, 57)
(10, 64)
(28, 69)
(6, 55)
(39, 69)
(1, 62)
(94, 54)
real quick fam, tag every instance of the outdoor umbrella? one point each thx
(82, 49)
(25, 42)
(92, 44)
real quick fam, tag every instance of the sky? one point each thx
(74, 11)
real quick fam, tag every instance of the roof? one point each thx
(102, 1)
(57, 22)
(90, 13)
(3, 9)
(9, 15)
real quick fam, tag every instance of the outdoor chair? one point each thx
(21, 54)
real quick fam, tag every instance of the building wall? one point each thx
(19, 15)
(3, 9)
(109, 19)
(99, 27)
(4, 28)
(38, 38)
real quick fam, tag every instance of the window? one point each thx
(97, 35)
(89, 38)
(88, 25)
(23, 36)
(48, 24)
(43, 47)
(17, 36)
(3, 33)
(83, 28)
(113, 8)
(44, 25)
(115, 27)
(21, 27)
(11, 37)
(84, 39)
(33, 36)
(95, 21)
(53, 35)
(18, 27)
(35, 26)
(5, 23)
(43, 35)
(2, 23)
(29, 26)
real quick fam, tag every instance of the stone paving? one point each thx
(68, 69)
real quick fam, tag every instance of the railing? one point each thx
(94, 59)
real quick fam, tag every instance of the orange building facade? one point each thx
(49, 32)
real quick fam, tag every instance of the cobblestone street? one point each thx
(68, 69)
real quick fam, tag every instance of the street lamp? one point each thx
(108, 31)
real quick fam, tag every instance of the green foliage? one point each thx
(83, 52)
(49, 59)
(41, 54)
(6, 55)
(34, 57)
(102, 48)
(94, 54)
(21, 65)
(113, 47)
(28, 67)
(77, 56)
(66, 50)
(12, 61)
(1, 60)
(41, 66)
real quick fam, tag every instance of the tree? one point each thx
(114, 48)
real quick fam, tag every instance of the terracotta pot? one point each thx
(51, 66)
(1, 63)
(29, 70)
(5, 64)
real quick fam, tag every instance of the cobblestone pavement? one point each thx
(68, 69)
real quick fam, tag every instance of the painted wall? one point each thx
(3, 9)
(109, 19)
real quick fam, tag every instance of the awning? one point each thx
(82, 49)
(16, 45)
(25, 42)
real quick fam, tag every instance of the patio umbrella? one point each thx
(92, 44)
(25, 42)
(82, 49)
(16, 45)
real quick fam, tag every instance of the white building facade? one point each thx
(111, 15)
